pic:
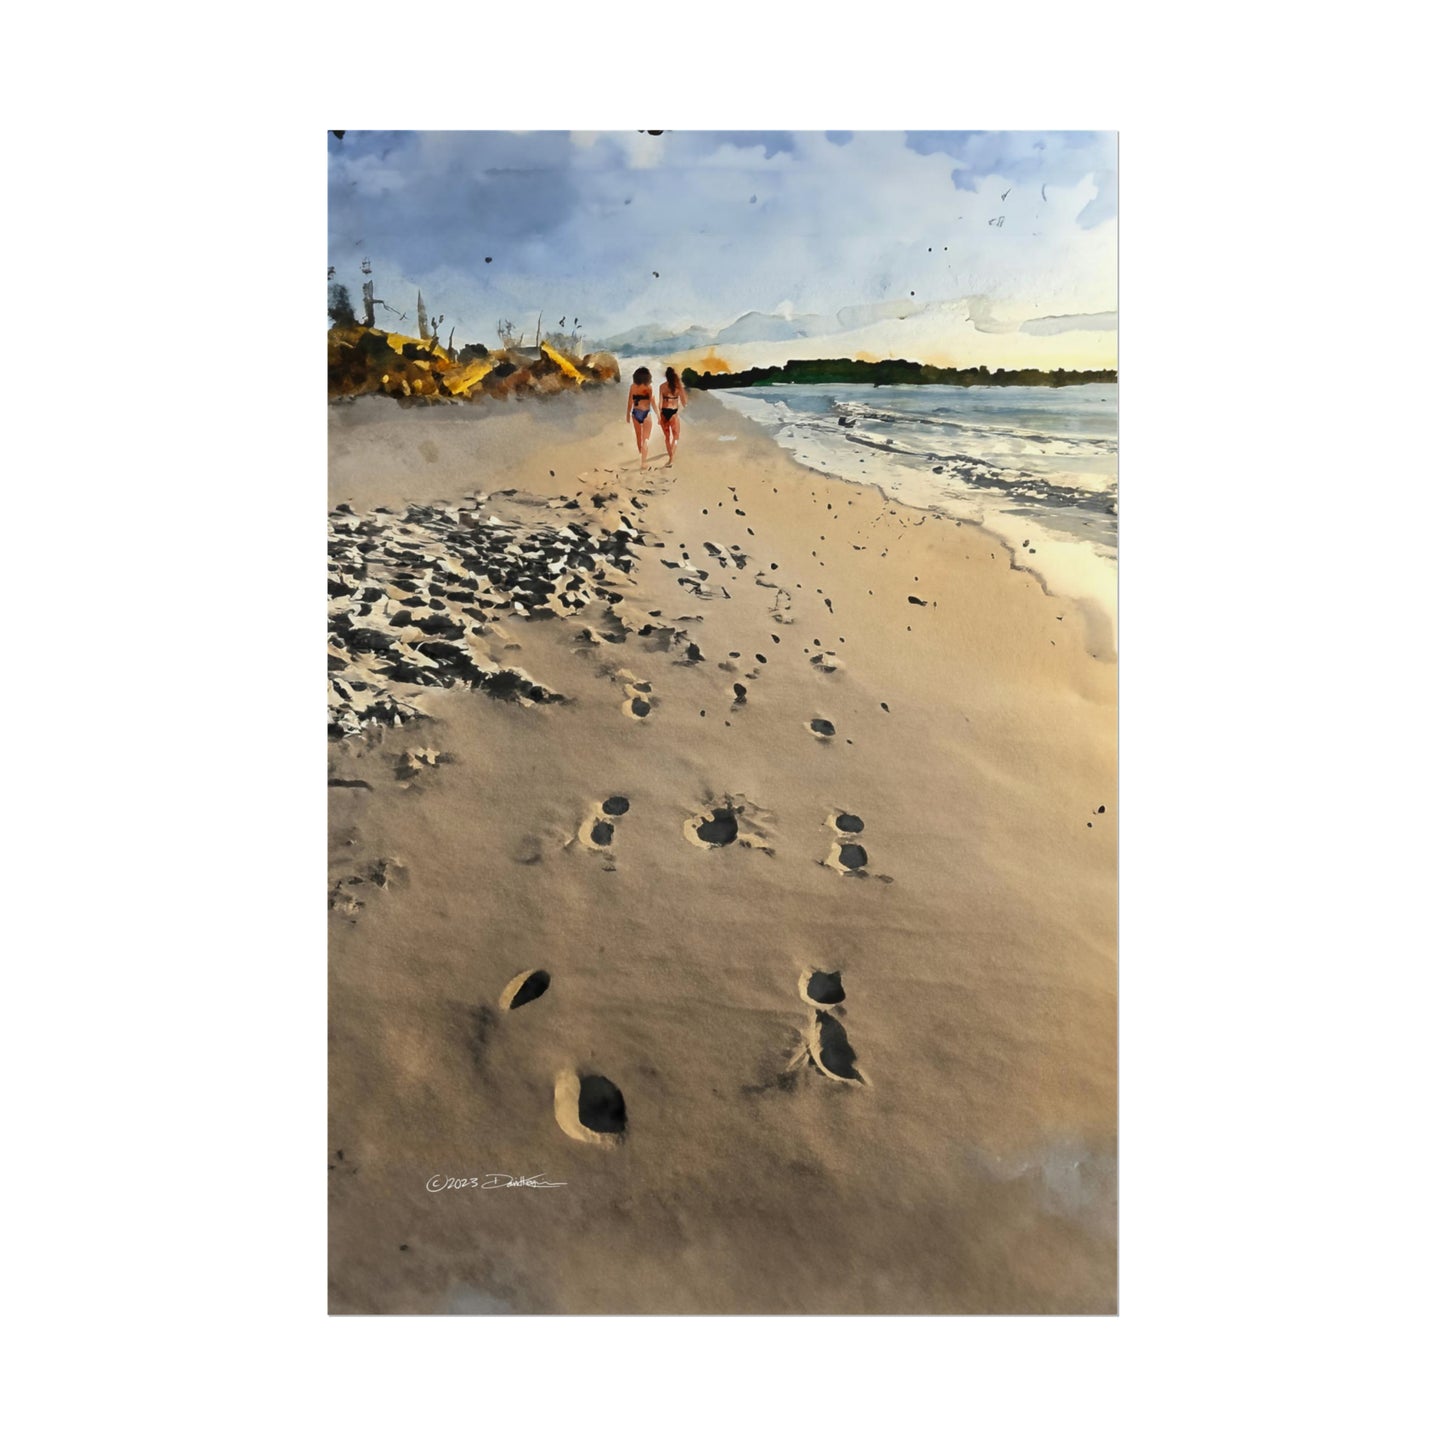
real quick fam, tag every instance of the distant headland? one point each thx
(841, 370)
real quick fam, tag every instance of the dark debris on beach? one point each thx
(417, 599)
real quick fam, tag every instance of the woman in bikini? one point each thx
(640, 404)
(671, 400)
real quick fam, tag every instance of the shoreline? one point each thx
(1103, 626)
(1080, 572)
(972, 735)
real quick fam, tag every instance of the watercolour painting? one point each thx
(722, 703)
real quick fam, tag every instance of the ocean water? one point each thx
(1037, 466)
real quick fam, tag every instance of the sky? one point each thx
(961, 248)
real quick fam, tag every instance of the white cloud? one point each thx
(870, 229)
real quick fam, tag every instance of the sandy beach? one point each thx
(805, 807)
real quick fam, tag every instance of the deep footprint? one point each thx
(825, 989)
(639, 702)
(525, 988)
(589, 1108)
(729, 819)
(600, 1105)
(831, 1052)
(718, 830)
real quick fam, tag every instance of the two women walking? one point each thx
(668, 403)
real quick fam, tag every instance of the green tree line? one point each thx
(838, 370)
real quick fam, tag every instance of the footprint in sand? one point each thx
(725, 821)
(528, 985)
(599, 827)
(717, 829)
(415, 763)
(826, 662)
(822, 990)
(830, 1052)
(590, 637)
(589, 1108)
(782, 603)
(349, 895)
(694, 580)
(847, 855)
(822, 729)
(639, 702)
(825, 1045)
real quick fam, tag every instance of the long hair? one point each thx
(642, 377)
(672, 380)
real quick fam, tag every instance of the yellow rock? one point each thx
(461, 380)
(568, 369)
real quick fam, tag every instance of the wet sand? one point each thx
(817, 853)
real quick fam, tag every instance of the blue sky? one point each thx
(967, 237)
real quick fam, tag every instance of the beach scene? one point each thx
(722, 639)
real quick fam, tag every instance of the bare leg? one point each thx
(642, 429)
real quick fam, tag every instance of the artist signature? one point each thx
(441, 1182)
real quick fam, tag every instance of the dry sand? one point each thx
(970, 1167)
